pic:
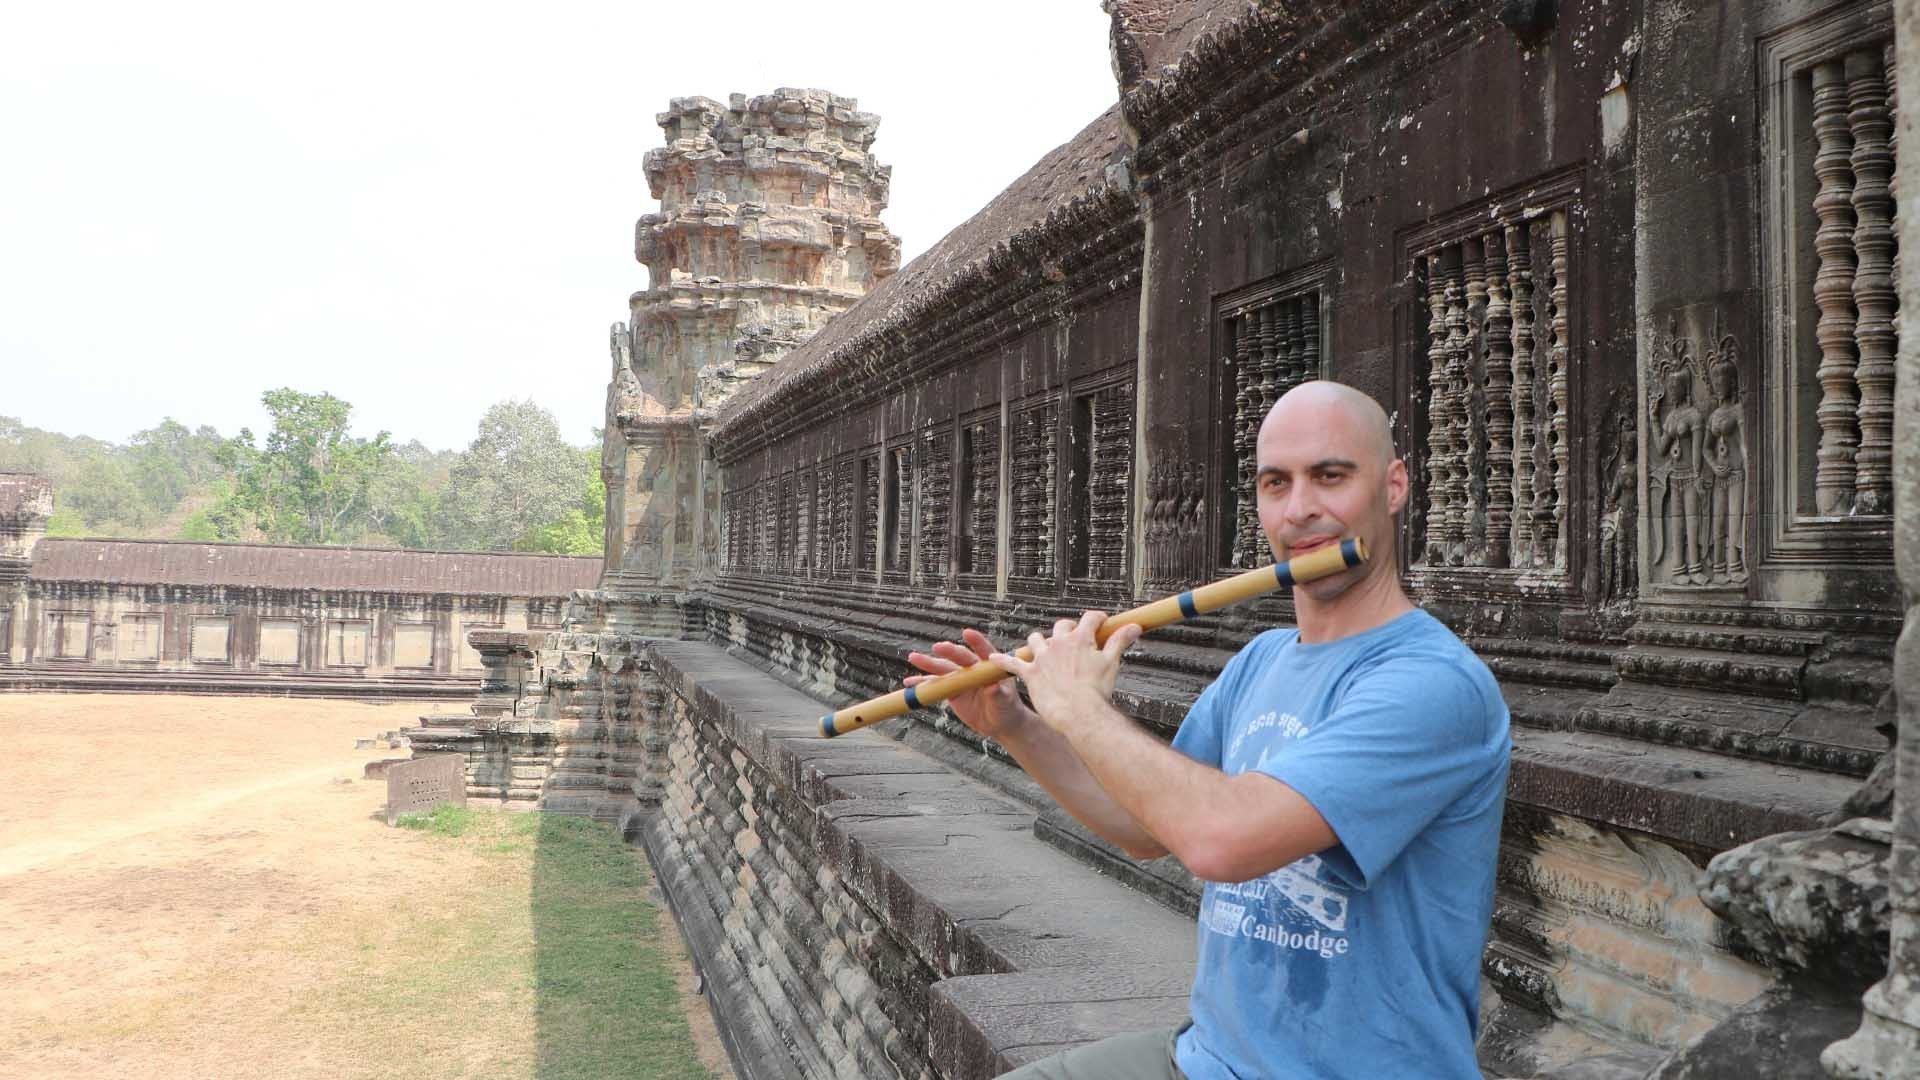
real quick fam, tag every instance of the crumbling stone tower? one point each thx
(768, 226)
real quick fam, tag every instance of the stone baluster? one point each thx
(1499, 396)
(1267, 346)
(870, 517)
(1458, 409)
(1437, 417)
(1310, 336)
(1559, 415)
(1873, 296)
(1468, 392)
(1833, 480)
(1520, 286)
(1245, 425)
(1290, 365)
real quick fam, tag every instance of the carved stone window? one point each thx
(1035, 460)
(867, 512)
(1493, 325)
(1273, 338)
(1102, 466)
(1829, 256)
(936, 502)
(979, 501)
(787, 512)
(846, 505)
(897, 518)
(766, 522)
(820, 547)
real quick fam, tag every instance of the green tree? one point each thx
(104, 492)
(311, 482)
(517, 476)
(582, 529)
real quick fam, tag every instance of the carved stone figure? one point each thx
(1619, 482)
(1674, 487)
(1726, 467)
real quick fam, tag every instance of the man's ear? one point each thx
(1396, 486)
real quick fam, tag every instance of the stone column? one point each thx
(1888, 1042)
(26, 502)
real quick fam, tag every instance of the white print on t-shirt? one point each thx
(1290, 727)
(1270, 908)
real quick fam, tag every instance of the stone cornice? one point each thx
(1277, 60)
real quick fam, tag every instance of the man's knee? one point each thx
(1138, 1055)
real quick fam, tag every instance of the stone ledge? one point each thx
(954, 869)
(1709, 801)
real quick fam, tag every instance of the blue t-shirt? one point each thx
(1362, 961)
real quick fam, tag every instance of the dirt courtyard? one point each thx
(201, 887)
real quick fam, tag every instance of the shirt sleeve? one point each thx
(1402, 744)
(1200, 736)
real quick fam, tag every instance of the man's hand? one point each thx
(1071, 675)
(990, 710)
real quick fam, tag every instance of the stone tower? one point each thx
(769, 225)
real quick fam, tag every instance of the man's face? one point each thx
(1322, 476)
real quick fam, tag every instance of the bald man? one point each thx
(1338, 788)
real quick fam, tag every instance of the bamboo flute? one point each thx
(1165, 611)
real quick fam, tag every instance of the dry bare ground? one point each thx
(198, 888)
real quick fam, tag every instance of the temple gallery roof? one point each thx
(271, 566)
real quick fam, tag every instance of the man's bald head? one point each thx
(1338, 412)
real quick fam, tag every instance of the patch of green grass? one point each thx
(443, 820)
(606, 1001)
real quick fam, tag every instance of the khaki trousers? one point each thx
(1140, 1055)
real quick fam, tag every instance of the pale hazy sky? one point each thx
(427, 208)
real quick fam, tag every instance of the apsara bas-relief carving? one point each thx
(1697, 474)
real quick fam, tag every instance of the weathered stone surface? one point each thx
(1814, 904)
(1778, 1035)
(426, 781)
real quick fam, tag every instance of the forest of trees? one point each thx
(519, 486)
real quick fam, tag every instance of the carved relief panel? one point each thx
(1272, 338)
(1493, 327)
(1697, 463)
(936, 502)
(1035, 461)
(1829, 256)
(979, 498)
(1100, 475)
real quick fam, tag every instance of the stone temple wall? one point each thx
(1623, 277)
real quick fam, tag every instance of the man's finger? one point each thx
(933, 665)
(1090, 622)
(959, 655)
(978, 642)
(1122, 639)
(1010, 664)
